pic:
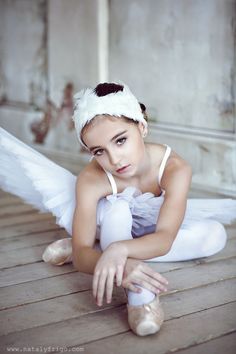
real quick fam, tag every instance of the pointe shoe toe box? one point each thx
(146, 319)
(58, 252)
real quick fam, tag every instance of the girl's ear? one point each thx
(143, 129)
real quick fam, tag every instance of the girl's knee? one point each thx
(116, 224)
(216, 237)
(119, 211)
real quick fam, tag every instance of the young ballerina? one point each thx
(132, 196)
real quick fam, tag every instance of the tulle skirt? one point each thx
(145, 208)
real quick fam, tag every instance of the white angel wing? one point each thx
(36, 179)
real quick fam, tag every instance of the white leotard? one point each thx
(160, 174)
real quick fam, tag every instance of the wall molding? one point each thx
(196, 132)
(185, 139)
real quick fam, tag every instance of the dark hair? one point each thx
(106, 88)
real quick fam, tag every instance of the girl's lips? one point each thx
(122, 169)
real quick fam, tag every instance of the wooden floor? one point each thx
(46, 308)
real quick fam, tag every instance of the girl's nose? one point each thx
(114, 158)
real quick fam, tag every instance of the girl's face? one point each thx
(116, 144)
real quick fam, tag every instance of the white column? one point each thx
(103, 40)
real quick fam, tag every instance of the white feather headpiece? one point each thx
(121, 103)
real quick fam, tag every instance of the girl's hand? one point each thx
(109, 266)
(139, 273)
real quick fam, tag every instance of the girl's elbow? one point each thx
(165, 250)
(167, 247)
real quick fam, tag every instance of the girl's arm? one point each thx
(88, 193)
(176, 183)
(88, 260)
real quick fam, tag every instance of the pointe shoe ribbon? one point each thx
(147, 318)
(58, 252)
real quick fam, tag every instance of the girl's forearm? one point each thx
(149, 246)
(86, 259)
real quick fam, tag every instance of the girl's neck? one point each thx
(145, 165)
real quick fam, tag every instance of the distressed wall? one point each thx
(182, 55)
(178, 57)
(23, 62)
(72, 45)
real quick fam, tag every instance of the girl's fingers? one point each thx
(150, 283)
(119, 275)
(156, 275)
(109, 286)
(101, 288)
(95, 284)
(134, 288)
(147, 286)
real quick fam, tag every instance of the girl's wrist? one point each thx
(121, 246)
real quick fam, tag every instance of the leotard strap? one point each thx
(112, 181)
(161, 170)
(163, 163)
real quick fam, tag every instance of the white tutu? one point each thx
(36, 179)
(50, 187)
(145, 209)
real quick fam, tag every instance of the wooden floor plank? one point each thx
(22, 219)
(9, 199)
(201, 274)
(84, 330)
(54, 310)
(3, 193)
(225, 344)
(47, 288)
(190, 300)
(29, 272)
(24, 241)
(28, 228)
(175, 304)
(198, 328)
(16, 209)
(21, 256)
(74, 305)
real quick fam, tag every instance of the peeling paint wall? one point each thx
(178, 57)
(23, 66)
(72, 45)
(182, 58)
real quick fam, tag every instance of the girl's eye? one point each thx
(98, 152)
(121, 141)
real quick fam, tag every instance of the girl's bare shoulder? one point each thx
(177, 171)
(93, 181)
(157, 152)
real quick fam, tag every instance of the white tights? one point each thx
(201, 239)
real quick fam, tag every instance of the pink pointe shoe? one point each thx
(58, 252)
(146, 319)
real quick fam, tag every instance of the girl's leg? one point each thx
(116, 225)
(201, 239)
